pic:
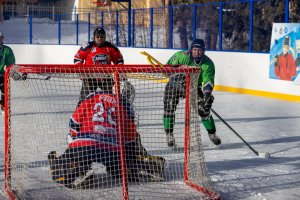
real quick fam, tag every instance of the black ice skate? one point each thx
(214, 138)
(170, 140)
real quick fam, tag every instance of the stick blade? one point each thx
(264, 155)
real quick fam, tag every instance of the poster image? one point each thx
(285, 52)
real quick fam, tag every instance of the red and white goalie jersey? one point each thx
(94, 123)
(91, 54)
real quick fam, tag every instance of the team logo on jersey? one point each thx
(100, 59)
(93, 50)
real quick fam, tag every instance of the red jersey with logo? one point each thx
(94, 123)
(90, 54)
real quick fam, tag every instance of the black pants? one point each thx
(171, 99)
(91, 85)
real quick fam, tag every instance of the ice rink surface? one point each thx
(268, 125)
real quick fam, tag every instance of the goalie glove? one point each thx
(17, 76)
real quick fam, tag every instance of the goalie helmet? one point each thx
(128, 92)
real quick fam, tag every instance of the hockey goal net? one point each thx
(37, 115)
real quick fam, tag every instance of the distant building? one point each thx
(50, 8)
(23, 8)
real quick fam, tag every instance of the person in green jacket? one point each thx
(7, 58)
(175, 89)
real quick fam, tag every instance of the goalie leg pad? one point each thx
(155, 164)
(140, 165)
(64, 169)
(147, 168)
(58, 169)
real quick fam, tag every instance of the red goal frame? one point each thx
(116, 70)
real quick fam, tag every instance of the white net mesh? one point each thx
(39, 122)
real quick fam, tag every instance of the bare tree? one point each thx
(1, 11)
(294, 11)
(167, 3)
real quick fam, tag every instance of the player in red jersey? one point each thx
(94, 137)
(97, 52)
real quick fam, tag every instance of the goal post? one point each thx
(38, 110)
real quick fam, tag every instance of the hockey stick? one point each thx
(151, 59)
(265, 155)
(44, 79)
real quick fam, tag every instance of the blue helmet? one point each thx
(198, 43)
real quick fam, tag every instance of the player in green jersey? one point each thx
(7, 58)
(175, 89)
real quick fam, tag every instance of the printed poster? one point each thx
(285, 52)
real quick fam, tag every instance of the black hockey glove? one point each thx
(208, 101)
(204, 105)
(17, 76)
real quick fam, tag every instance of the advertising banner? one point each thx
(285, 52)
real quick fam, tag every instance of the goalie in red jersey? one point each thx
(97, 52)
(94, 137)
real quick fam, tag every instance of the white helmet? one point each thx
(1, 34)
(128, 92)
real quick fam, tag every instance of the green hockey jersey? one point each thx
(207, 74)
